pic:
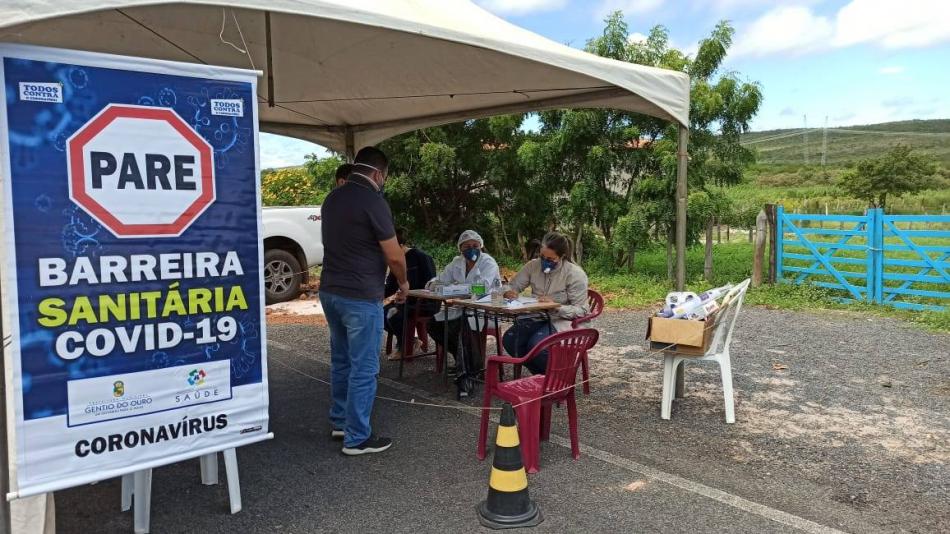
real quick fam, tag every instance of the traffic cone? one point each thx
(508, 504)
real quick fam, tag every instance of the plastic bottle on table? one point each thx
(478, 284)
(497, 293)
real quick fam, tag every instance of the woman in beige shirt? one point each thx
(552, 278)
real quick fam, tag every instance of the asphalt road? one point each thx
(842, 423)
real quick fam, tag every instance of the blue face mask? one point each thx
(471, 254)
(547, 265)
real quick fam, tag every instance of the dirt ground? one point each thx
(843, 419)
(842, 426)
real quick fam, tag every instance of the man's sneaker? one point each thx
(336, 433)
(372, 445)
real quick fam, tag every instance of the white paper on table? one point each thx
(484, 300)
(528, 300)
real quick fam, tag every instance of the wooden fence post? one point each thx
(758, 255)
(771, 215)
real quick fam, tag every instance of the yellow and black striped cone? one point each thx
(508, 504)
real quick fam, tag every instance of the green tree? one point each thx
(894, 174)
(610, 163)
(291, 186)
(467, 175)
(605, 177)
(704, 208)
(300, 186)
(721, 107)
(323, 170)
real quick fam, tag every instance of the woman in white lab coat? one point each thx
(471, 264)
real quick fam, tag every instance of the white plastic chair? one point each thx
(718, 352)
(139, 486)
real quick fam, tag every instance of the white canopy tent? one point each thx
(351, 73)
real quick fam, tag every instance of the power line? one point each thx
(881, 132)
(841, 131)
(773, 137)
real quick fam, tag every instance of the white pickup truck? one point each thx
(292, 244)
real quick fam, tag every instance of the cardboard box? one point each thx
(688, 337)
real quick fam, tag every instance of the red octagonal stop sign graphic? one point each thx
(140, 171)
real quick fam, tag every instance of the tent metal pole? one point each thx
(350, 144)
(579, 100)
(681, 163)
(270, 61)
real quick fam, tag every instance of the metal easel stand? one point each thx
(5, 527)
(137, 487)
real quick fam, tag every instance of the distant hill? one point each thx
(851, 143)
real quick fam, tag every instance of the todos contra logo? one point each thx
(51, 92)
(196, 377)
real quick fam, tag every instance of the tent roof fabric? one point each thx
(356, 72)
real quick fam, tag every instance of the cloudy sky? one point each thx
(852, 61)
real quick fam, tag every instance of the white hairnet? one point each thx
(470, 235)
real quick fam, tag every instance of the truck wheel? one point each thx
(282, 276)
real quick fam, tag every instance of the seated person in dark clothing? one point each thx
(420, 268)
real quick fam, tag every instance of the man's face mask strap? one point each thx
(367, 177)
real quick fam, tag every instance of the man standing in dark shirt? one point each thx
(359, 243)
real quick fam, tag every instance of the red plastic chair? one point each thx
(595, 303)
(533, 396)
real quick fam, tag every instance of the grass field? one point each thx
(648, 285)
(849, 144)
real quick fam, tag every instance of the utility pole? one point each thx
(805, 140)
(824, 142)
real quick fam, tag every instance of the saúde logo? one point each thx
(196, 379)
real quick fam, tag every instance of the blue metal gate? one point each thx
(898, 260)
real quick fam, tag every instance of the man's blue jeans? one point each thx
(356, 328)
